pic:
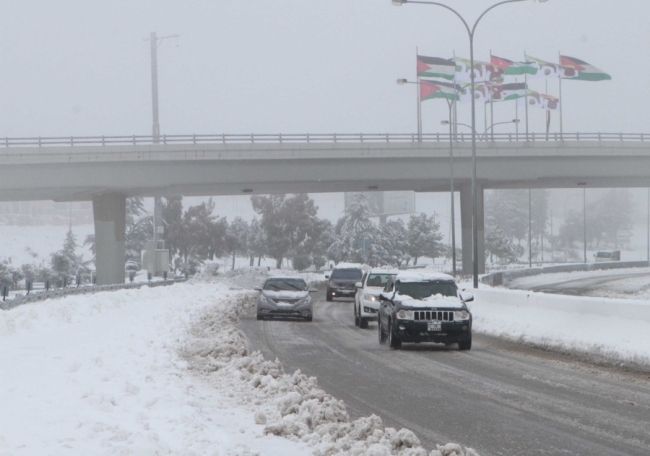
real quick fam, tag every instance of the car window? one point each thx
(389, 285)
(378, 280)
(347, 274)
(423, 290)
(285, 284)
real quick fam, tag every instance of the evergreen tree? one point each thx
(394, 236)
(424, 237)
(236, 239)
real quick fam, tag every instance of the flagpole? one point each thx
(559, 73)
(526, 107)
(491, 102)
(517, 113)
(419, 98)
(548, 112)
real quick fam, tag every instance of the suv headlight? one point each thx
(404, 315)
(461, 315)
(369, 297)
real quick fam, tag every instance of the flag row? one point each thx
(459, 70)
(486, 93)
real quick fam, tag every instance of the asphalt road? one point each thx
(500, 398)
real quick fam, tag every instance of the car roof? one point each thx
(422, 276)
(293, 277)
(384, 271)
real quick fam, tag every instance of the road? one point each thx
(500, 398)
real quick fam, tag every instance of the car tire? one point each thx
(328, 296)
(356, 315)
(259, 317)
(393, 339)
(309, 318)
(363, 323)
(465, 344)
(380, 331)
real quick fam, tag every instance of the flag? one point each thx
(482, 70)
(543, 101)
(435, 67)
(510, 68)
(481, 93)
(581, 71)
(433, 89)
(546, 69)
(507, 92)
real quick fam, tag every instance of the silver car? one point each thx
(285, 297)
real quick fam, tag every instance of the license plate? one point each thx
(435, 326)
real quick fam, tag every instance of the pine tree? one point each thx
(424, 237)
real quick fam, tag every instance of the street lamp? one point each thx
(485, 132)
(471, 31)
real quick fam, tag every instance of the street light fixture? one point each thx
(471, 31)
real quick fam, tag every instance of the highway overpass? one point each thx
(106, 170)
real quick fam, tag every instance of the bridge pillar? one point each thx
(110, 220)
(466, 225)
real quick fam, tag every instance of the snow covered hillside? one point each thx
(166, 371)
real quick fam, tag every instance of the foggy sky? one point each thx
(81, 67)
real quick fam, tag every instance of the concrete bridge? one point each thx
(106, 170)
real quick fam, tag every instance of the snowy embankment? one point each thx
(615, 329)
(166, 371)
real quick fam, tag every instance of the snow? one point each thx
(615, 329)
(545, 279)
(432, 301)
(285, 294)
(167, 371)
(422, 275)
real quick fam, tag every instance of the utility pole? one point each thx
(154, 41)
(530, 228)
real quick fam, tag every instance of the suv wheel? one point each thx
(465, 344)
(356, 315)
(259, 317)
(393, 339)
(363, 323)
(328, 295)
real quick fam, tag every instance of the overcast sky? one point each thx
(80, 67)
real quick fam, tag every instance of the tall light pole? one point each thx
(403, 81)
(471, 32)
(155, 41)
(584, 219)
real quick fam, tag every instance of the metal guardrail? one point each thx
(316, 138)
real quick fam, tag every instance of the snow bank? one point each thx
(101, 375)
(612, 328)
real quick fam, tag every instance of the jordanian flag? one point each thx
(482, 70)
(507, 92)
(430, 90)
(510, 68)
(434, 67)
(582, 71)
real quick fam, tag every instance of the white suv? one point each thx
(366, 299)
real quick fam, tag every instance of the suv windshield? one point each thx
(378, 280)
(285, 285)
(347, 274)
(422, 290)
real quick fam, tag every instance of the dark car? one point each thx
(424, 307)
(342, 282)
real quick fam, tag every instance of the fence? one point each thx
(315, 138)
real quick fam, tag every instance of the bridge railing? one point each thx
(316, 138)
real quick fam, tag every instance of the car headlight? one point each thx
(266, 300)
(461, 315)
(404, 315)
(369, 297)
(305, 300)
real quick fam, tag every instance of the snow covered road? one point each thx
(501, 398)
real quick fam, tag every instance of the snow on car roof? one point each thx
(351, 266)
(285, 276)
(422, 276)
(384, 271)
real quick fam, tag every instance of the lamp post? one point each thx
(155, 41)
(471, 32)
(403, 81)
(485, 132)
